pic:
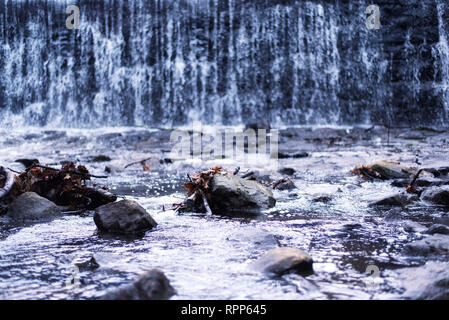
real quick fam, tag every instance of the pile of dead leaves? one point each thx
(65, 186)
(198, 188)
(201, 180)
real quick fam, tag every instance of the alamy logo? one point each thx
(373, 273)
(73, 20)
(373, 20)
(250, 146)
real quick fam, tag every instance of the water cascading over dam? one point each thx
(169, 62)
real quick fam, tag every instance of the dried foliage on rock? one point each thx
(65, 186)
(198, 196)
(384, 170)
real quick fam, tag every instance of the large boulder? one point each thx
(437, 195)
(284, 260)
(152, 285)
(232, 193)
(31, 206)
(123, 217)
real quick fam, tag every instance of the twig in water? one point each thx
(137, 162)
(206, 204)
(248, 174)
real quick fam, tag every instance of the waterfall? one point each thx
(170, 62)
(443, 51)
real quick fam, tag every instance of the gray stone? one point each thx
(324, 198)
(399, 199)
(392, 169)
(437, 195)
(428, 282)
(412, 226)
(232, 193)
(285, 184)
(287, 171)
(31, 206)
(152, 285)
(437, 229)
(433, 245)
(123, 217)
(284, 260)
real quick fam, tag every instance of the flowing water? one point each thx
(208, 257)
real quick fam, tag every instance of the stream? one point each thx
(208, 257)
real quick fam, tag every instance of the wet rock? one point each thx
(232, 193)
(32, 136)
(31, 206)
(385, 170)
(101, 158)
(284, 184)
(433, 245)
(259, 238)
(287, 171)
(152, 285)
(428, 282)
(437, 229)
(88, 265)
(123, 217)
(411, 226)
(166, 161)
(293, 155)
(437, 195)
(27, 162)
(399, 199)
(324, 198)
(284, 260)
(420, 182)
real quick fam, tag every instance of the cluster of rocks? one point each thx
(428, 185)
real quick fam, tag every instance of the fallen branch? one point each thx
(8, 183)
(74, 171)
(411, 187)
(205, 203)
(142, 162)
(248, 174)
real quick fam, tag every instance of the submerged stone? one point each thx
(284, 260)
(151, 285)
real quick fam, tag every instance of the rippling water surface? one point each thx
(208, 257)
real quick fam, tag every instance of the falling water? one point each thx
(168, 62)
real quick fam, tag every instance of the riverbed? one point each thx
(208, 257)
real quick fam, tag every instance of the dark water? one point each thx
(207, 258)
(168, 62)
